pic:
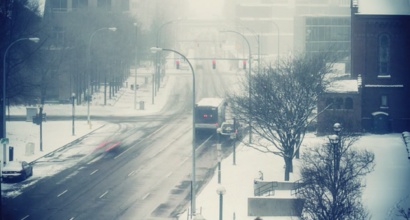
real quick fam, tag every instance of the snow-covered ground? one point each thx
(387, 186)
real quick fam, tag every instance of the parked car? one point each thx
(227, 128)
(16, 169)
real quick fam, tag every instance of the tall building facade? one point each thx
(283, 25)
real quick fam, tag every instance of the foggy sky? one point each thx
(205, 9)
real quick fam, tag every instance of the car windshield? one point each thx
(226, 126)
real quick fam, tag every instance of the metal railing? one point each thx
(266, 188)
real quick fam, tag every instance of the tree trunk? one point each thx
(105, 90)
(288, 166)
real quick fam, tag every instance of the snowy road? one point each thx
(130, 169)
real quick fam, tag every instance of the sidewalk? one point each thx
(56, 134)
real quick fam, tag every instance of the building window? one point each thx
(383, 101)
(58, 36)
(104, 4)
(79, 4)
(134, 5)
(59, 5)
(349, 103)
(339, 103)
(125, 5)
(329, 103)
(384, 54)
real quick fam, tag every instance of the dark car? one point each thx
(16, 170)
(227, 129)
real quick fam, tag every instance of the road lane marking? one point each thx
(204, 143)
(93, 172)
(169, 175)
(154, 132)
(132, 172)
(123, 152)
(25, 217)
(97, 158)
(62, 193)
(145, 196)
(168, 144)
(139, 169)
(183, 161)
(103, 194)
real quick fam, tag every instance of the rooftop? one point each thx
(384, 7)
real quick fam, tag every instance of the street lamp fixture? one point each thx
(334, 139)
(220, 191)
(250, 63)
(35, 40)
(337, 128)
(157, 49)
(89, 71)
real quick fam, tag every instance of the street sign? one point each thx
(4, 141)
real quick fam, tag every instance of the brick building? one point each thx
(380, 52)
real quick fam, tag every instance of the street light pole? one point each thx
(73, 97)
(250, 63)
(136, 62)
(154, 50)
(34, 39)
(277, 28)
(259, 46)
(220, 191)
(157, 66)
(89, 70)
(41, 126)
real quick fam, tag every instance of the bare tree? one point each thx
(282, 103)
(331, 177)
(403, 213)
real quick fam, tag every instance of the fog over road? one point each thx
(146, 176)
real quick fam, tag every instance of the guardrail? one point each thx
(266, 188)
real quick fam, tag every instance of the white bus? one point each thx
(209, 113)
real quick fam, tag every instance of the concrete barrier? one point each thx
(267, 206)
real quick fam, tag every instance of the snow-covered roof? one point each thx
(341, 82)
(344, 86)
(384, 7)
(211, 102)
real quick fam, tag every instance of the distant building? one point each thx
(341, 104)
(280, 22)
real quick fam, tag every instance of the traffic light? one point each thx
(177, 64)
(213, 64)
(244, 64)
